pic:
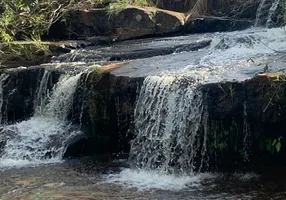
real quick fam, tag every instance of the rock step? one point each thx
(135, 22)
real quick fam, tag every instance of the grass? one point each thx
(25, 53)
(116, 7)
(21, 20)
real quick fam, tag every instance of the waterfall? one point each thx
(168, 114)
(271, 13)
(3, 77)
(43, 137)
(266, 12)
(42, 92)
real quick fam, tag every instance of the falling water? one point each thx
(265, 13)
(167, 119)
(246, 134)
(271, 13)
(42, 92)
(3, 77)
(43, 137)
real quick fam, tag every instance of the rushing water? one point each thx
(89, 178)
(168, 112)
(42, 138)
(167, 118)
(3, 78)
(266, 12)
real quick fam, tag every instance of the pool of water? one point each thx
(93, 178)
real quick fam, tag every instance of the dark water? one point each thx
(90, 178)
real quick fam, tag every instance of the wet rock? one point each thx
(104, 105)
(243, 117)
(240, 118)
(134, 49)
(203, 25)
(157, 51)
(61, 47)
(19, 91)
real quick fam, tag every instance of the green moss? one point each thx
(93, 77)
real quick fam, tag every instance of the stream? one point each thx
(97, 178)
(167, 115)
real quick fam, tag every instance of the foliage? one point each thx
(25, 18)
(221, 141)
(274, 144)
(30, 19)
(118, 5)
(25, 53)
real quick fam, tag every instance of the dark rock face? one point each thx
(243, 118)
(104, 106)
(240, 117)
(19, 91)
(82, 24)
(203, 25)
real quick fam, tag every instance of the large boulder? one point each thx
(131, 22)
(104, 106)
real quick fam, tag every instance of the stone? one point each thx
(131, 22)
(19, 92)
(215, 24)
(78, 24)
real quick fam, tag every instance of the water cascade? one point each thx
(168, 115)
(266, 12)
(43, 137)
(3, 78)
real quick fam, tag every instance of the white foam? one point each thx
(146, 180)
(241, 45)
(246, 176)
(19, 163)
(44, 137)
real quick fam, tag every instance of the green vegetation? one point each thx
(118, 5)
(273, 145)
(29, 20)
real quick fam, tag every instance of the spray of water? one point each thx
(44, 137)
(266, 12)
(168, 114)
(167, 118)
(3, 78)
